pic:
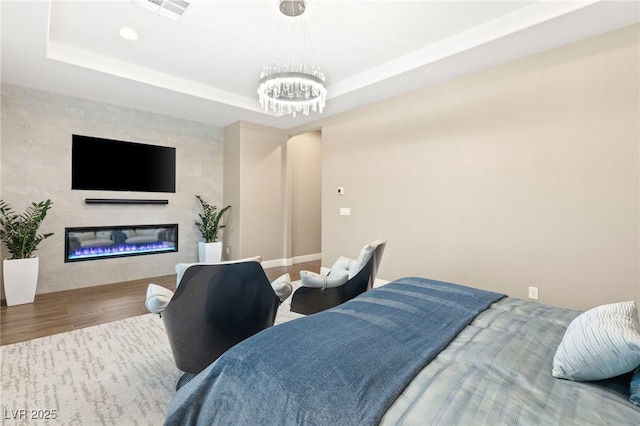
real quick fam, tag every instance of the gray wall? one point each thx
(526, 174)
(304, 161)
(35, 159)
(255, 159)
(274, 184)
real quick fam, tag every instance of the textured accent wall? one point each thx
(35, 158)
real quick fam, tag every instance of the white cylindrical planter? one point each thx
(20, 280)
(209, 252)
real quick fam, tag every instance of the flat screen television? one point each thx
(111, 165)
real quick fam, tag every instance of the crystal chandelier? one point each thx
(291, 88)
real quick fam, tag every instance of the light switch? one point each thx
(345, 211)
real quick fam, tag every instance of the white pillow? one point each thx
(340, 267)
(314, 280)
(600, 343)
(158, 298)
(356, 265)
(282, 287)
(366, 253)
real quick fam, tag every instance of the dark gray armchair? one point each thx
(346, 279)
(214, 307)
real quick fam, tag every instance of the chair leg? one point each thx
(184, 379)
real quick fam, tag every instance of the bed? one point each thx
(416, 352)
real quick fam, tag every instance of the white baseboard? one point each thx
(274, 263)
(379, 283)
(307, 258)
(291, 261)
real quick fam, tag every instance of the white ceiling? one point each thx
(205, 67)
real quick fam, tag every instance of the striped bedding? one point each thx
(498, 371)
(342, 366)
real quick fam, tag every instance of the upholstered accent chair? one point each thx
(346, 279)
(214, 307)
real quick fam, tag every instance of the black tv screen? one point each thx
(111, 165)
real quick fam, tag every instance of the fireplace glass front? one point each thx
(102, 242)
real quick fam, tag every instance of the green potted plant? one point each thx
(19, 233)
(209, 250)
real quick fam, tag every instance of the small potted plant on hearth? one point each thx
(19, 233)
(209, 250)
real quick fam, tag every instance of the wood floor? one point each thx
(62, 311)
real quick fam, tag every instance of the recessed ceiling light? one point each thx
(128, 33)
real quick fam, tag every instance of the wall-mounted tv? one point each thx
(111, 165)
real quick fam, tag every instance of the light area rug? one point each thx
(120, 373)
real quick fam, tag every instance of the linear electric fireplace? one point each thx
(103, 242)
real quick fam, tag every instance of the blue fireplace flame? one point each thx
(122, 249)
(89, 243)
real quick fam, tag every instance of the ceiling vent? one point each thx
(172, 9)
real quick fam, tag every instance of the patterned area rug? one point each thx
(121, 373)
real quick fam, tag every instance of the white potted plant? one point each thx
(209, 250)
(19, 233)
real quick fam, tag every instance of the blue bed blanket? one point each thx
(343, 366)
